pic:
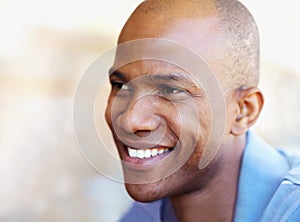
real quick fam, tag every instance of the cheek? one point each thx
(195, 118)
(108, 112)
(204, 115)
(115, 107)
(196, 130)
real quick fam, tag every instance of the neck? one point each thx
(216, 200)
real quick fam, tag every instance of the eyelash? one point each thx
(164, 90)
(119, 85)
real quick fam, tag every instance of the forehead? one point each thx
(144, 57)
(202, 35)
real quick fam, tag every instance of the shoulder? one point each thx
(285, 203)
(156, 211)
(146, 212)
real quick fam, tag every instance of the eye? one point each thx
(121, 89)
(120, 85)
(165, 89)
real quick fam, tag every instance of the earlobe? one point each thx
(249, 105)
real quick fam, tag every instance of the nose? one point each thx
(140, 116)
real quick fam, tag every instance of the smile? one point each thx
(145, 153)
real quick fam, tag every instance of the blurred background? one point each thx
(45, 46)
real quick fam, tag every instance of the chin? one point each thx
(144, 192)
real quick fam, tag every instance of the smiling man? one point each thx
(163, 115)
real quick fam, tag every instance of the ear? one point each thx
(249, 105)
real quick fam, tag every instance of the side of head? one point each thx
(158, 107)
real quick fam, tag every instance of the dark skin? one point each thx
(176, 109)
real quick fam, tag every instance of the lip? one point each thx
(142, 144)
(139, 164)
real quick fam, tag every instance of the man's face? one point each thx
(159, 114)
(160, 118)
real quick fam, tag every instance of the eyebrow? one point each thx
(167, 77)
(117, 74)
(155, 77)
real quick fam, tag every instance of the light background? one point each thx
(45, 46)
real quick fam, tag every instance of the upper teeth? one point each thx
(145, 153)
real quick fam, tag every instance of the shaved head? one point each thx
(223, 32)
(242, 44)
(193, 103)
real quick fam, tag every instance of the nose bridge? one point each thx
(140, 114)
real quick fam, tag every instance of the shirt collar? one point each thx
(262, 170)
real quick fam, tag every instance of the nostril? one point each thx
(140, 124)
(143, 133)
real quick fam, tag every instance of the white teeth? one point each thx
(131, 152)
(145, 153)
(154, 152)
(140, 154)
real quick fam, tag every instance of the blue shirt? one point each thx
(268, 189)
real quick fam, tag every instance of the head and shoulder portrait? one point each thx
(164, 116)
